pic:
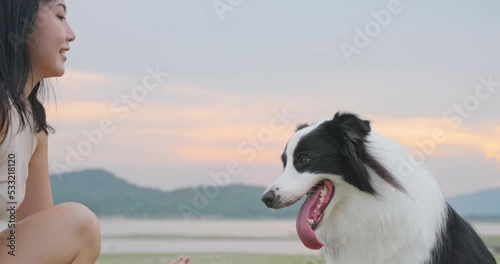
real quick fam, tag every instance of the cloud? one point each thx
(201, 124)
(439, 137)
(78, 112)
(465, 173)
(227, 77)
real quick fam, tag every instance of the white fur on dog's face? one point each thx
(292, 185)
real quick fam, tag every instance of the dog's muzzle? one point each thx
(269, 198)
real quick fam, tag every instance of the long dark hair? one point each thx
(17, 22)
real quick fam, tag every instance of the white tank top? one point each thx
(15, 154)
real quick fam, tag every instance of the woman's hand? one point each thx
(181, 260)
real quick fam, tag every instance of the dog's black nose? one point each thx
(268, 198)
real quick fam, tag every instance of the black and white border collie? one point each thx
(365, 207)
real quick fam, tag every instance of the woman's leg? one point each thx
(67, 233)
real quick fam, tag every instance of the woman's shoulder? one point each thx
(13, 118)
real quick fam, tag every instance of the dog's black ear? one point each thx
(350, 131)
(349, 128)
(354, 169)
(352, 124)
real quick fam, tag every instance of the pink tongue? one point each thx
(304, 229)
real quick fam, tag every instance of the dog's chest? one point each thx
(371, 258)
(373, 250)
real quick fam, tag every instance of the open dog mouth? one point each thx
(311, 213)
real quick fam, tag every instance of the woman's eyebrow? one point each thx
(63, 6)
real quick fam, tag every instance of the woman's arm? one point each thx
(38, 190)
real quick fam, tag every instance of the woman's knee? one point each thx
(82, 221)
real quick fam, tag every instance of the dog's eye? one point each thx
(303, 160)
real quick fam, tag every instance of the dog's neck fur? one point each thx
(390, 227)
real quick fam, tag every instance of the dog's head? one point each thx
(318, 159)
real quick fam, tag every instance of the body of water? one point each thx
(246, 236)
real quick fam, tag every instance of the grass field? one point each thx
(207, 259)
(492, 240)
(228, 258)
(210, 259)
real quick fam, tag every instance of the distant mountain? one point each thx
(108, 195)
(478, 205)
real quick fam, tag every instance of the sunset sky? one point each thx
(236, 81)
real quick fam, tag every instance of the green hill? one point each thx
(108, 195)
(478, 205)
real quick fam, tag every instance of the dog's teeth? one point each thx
(310, 221)
(323, 193)
(321, 199)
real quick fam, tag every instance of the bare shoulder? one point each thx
(42, 140)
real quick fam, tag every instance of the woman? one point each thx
(34, 37)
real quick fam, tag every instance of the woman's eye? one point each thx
(61, 17)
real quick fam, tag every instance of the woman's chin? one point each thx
(56, 73)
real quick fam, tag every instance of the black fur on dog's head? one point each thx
(338, 147)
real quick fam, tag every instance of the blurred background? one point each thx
(163, 98)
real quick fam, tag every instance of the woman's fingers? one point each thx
(181, 260)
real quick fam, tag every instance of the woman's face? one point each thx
(50, 40)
